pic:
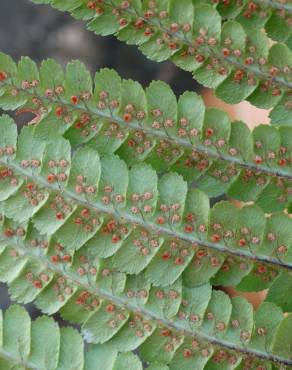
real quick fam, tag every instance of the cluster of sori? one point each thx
(105, 212)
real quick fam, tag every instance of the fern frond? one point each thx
(274, 16)
(77, 229)
(237, 63)
(105, 214)
(96, 206)
(119, 116)
(174, 325)
(42, 345)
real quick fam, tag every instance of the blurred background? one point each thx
(41, 32)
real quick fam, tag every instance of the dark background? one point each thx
(40, 32)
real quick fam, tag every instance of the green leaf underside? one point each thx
(201, 145)
(98, 216)
(209, 316)
(164, 32)
(89, 209)
(60, 268)
(42, 345)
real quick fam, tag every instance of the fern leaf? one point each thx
(105, 213)
(177, 326)
(42, 345)
(272, 15)
(201, 145)
(236, 62)
(139, 222)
